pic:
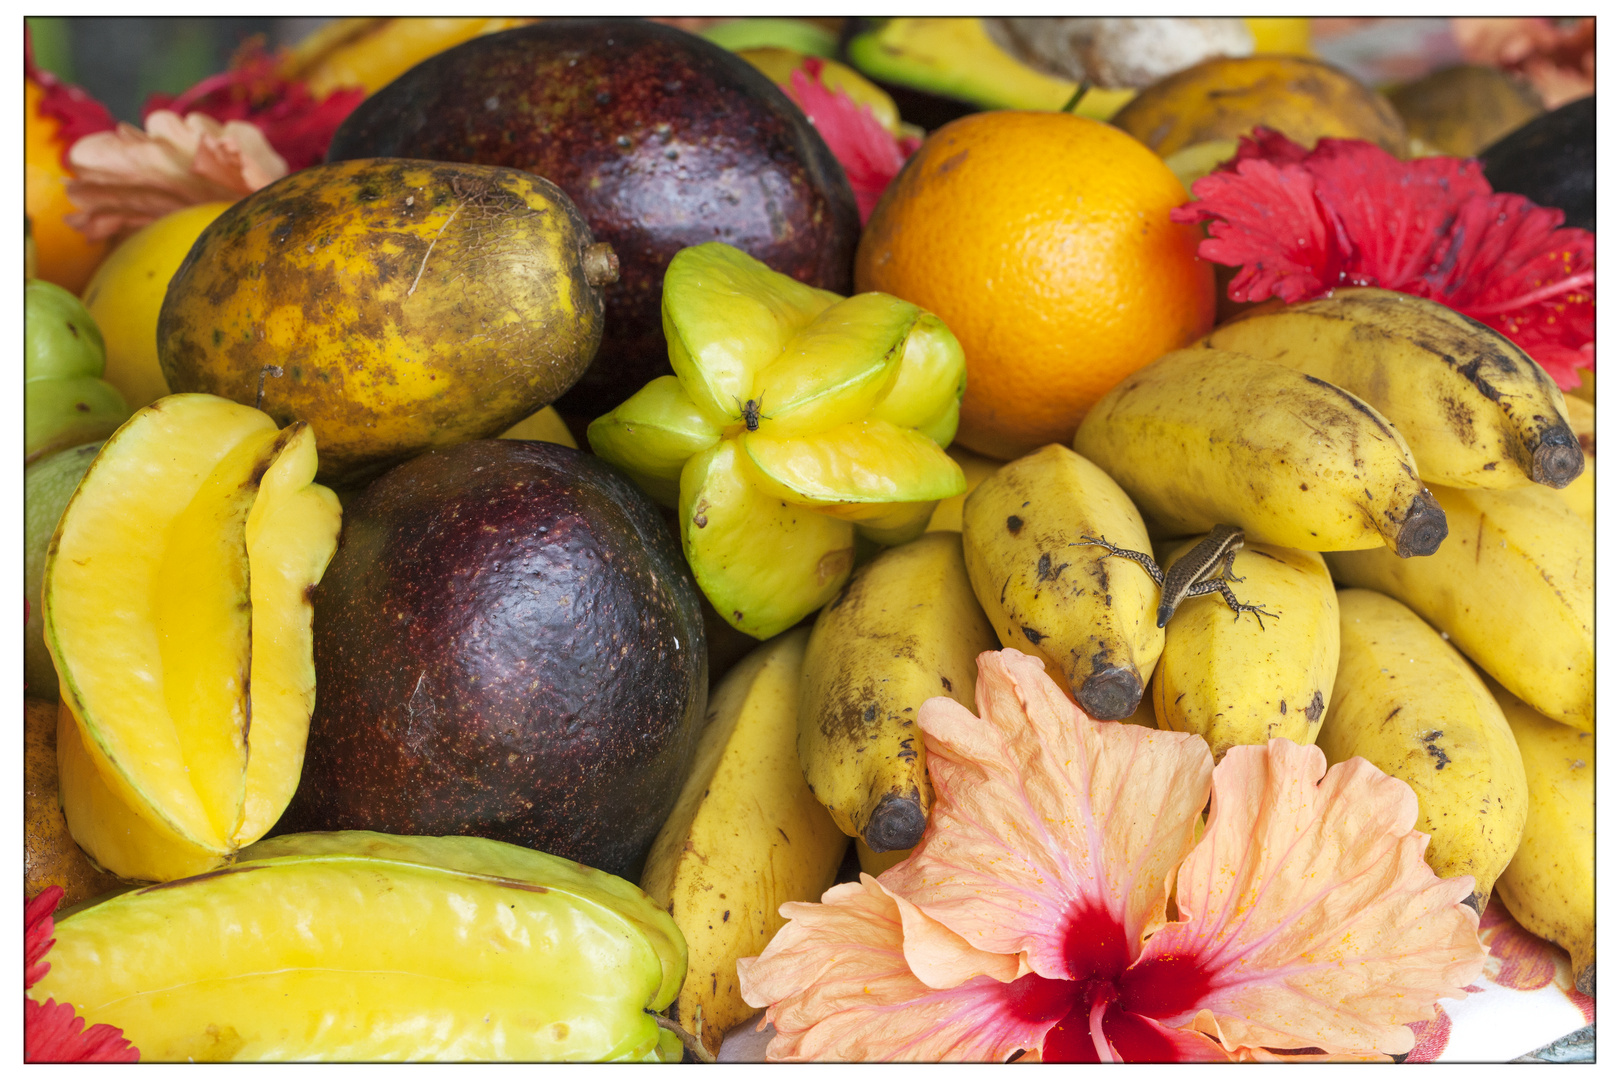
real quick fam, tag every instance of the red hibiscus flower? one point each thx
(871, 157)
(76, 112)
(1301, 222)
(297, 124)
(53, 1031)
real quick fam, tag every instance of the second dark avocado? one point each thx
(507, 644)
(662, 139)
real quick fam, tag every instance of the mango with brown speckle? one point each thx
(393, 305)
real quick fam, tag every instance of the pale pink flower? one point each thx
(1032, 916)
(126, 178)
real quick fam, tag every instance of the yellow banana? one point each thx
(904, 629)
(1550, 887)
(1512, 585)
(1202, 437)
(746, 836)
(1092, 619)
(1236, 683)
(1581, 494)
(1413, 706)
(1474, 408)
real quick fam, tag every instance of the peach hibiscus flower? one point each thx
(1032, 918)
(127, 178)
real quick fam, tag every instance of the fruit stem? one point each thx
(693, 1044)
(601, 265)
(1079, 92)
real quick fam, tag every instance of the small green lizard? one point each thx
(1205, 569)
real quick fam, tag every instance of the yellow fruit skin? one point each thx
(1227, 97)
(355, 946)
(1550, 887)
(406, 305)
(1090, 618)
(126, 293)
(745, 837)
(1500, 423)
(904, 629)
(1410, 704)
(1203, 437)
(1514, 587)
(1236, 684)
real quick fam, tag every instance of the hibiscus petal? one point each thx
(38, 925)
(1394, 212)
(871, 157)
(836, 984)
(54, 1032)
(1308, 907)
(1267, 219)
(939, 957)
(1041, 811)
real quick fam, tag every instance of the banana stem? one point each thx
(693, 1044)
(1079, 92)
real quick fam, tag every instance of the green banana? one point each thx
(904, 629)
(1474, 408)
(1202, 437)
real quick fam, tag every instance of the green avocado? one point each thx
(956, 58)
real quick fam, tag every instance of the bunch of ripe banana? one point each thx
(1372, 441)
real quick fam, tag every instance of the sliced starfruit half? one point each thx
(796, 422)
(359, 946)
(177, 613)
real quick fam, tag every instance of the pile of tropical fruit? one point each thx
(496, 516)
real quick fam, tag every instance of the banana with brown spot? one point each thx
(1203, 437)
(1514, 585)
(904, 629)
(1474, 408)
(1409, 703)
(1236, 683)
(746, 836)
(1090, 618)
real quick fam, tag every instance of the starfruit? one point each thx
(177, 613)
(359, 946)
(796, 420)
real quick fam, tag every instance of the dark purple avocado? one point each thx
(662, 139)
(507, 644)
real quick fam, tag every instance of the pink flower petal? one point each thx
(1308, 906)
(836, 984)
(127, 178)
(1041, 811)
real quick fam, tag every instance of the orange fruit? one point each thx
(63, 255)
(1044, 241)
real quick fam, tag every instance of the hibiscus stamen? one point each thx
(1547, 292)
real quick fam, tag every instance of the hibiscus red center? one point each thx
(1106, 992)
